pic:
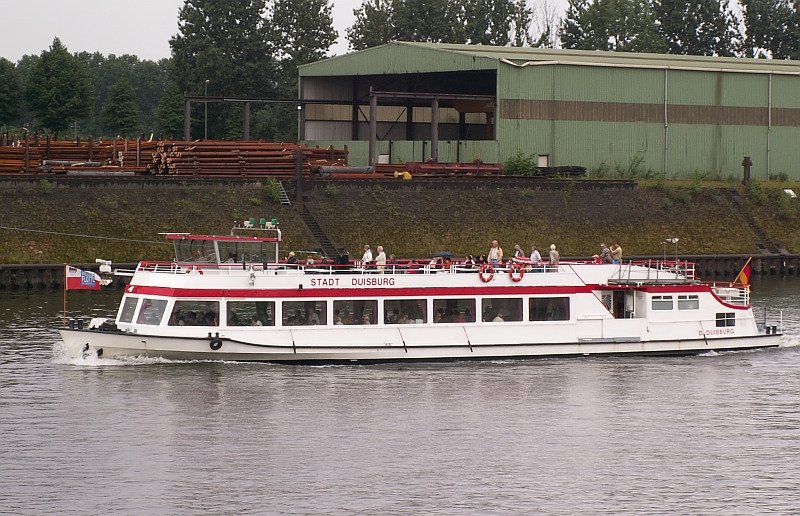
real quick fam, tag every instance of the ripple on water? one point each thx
(718, 433)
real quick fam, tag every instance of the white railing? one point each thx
(655, 271)
(738, 295)
(283, 269)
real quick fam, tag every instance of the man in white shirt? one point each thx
(367, 258)
(536, 257)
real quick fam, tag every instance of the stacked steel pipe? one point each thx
(37, 154)
(207, 158)
(213, 158)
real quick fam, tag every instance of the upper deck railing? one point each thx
(655, 272)
(632, 273)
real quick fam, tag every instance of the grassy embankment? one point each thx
(136, 212)
(413, 221)
(416, 221)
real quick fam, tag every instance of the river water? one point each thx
(718, 433)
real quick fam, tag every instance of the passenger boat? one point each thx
(231, 298)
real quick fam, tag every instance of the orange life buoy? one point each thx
(486, 273)
(516, 272)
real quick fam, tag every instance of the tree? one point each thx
(224, 42)
(436, 21)
(698, 27)
(772, 28)
(545, 19)
(58, 90)
(301, 32)
(619, 25)
(373, 26)
(10, 93)
(169, 113)
(120, 113)
(479, 22)
(497, 22)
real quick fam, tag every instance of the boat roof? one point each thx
(221, 238)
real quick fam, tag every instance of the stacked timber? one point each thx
(245, 158)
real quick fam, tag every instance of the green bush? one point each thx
(272, 190)
(521, 165)
(756, 194)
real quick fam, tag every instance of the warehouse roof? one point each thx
(408, 57)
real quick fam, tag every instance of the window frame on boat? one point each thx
(354, 310)
(263, 312)
(688, 302)
(320, 306)
(662, 303)
(126, 311)
(494, 308)
(725, 319)
(454, 303)
(201, 308)
(156, 316)
(564, 313)
(419, 307)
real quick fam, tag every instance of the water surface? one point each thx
(709, 434)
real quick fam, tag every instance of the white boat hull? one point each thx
(120, 344)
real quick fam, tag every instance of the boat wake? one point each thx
(790, 341)
(62, 356)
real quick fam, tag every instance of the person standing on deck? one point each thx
(554, 257)
(380, 260)
(495, 254)
(366, 259)
(616, 253)
(536, 257)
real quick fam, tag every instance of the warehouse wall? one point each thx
(615, 118)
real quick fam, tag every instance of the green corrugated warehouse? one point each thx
(680, 115)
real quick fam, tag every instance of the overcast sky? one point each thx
(138, 27)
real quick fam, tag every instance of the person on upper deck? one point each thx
(518, 252)
(605, 254)
(554, 257)
(469, 262)
(366, 259)
(380, 260)
(616, 253)
(292, 259)
(495, 256)
(536, 257)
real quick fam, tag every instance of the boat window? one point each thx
(662, 303)
(151, 311)
(688, 302)
(304, 313)
(405, 311)
(355, 311)
(251, 313)
(247, 252)
(128, 307)
(549, 309)
(453, 310)
(501, 309)
(201, 251)
(726, 319)
(195, 313)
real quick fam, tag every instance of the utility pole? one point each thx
(205, 113)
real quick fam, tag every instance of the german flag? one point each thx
(743, 278)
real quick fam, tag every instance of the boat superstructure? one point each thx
(230, 298)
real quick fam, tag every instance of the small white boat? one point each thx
(230, 298)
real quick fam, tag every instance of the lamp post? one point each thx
(674, 241)
(205, 113)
